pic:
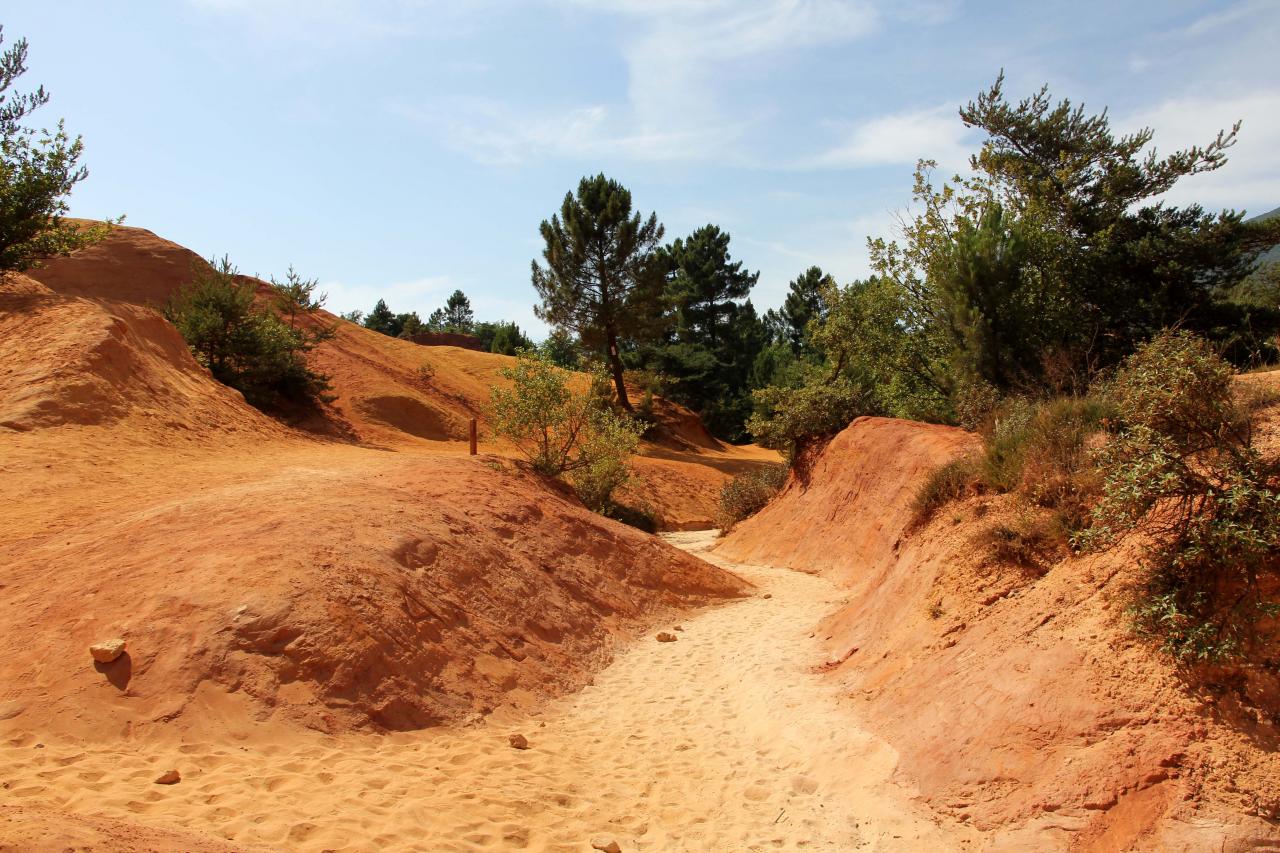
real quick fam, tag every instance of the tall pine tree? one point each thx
(604, 274)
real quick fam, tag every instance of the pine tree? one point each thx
(604, 273)
(803, 303)
(708, 356)
(38, 169)
(381, 319)
(457, 314)
(705, 285)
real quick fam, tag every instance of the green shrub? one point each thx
(945, 484)
(747, 494)
(640, 516)
(1031, 540)
(246, 346)
(606, 444)
(785, 419)
(1182, 469)
(1037, 450)
(564, 432)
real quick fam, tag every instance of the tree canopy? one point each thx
(38, 169)
(604, 273)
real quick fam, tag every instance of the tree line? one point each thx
(455, 316)
(1050, 263)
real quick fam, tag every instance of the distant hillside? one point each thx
(1273, 255)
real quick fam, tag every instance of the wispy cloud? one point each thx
(683, 50)
(677, 59)
(493, 133)
(903, 138)
(1251, 178)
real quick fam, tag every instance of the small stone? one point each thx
(108, 651)
(606, 846)
(664, 637)
(767, 595)
(518, 741)
(678, 628)
(169, 777)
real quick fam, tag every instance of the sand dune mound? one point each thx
(341, 588)
(1020, 704)
(69, 359)
(380, 581)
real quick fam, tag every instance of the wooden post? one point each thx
(473, 436)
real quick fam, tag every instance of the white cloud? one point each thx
(903, 138)
(1251, 178)
(678, 57)
(491, 133)
(683, 51)
(1232, 15)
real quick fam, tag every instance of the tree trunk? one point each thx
(615, 367)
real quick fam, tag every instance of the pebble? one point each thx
(664, 637)
(169, 777)
(518, 741)
(606, 846)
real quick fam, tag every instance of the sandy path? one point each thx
(721, 741)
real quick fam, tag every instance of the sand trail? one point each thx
(725, 740)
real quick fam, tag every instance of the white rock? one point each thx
(107, 651)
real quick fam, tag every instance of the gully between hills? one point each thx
(364, 575)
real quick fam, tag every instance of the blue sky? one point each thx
(402, 148)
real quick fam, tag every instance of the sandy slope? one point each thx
(723, 740)
(81, 342)
(1018, 699)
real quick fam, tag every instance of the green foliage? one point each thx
(869, 365)
(562, 431)
(788, 419)
(865, 339)
(1038, 450)
(604, 273)
(805, 303)
(1058, 258)
(381, 319)
(746, 494)
(609, 441)
(642, 516)
(562, 350)
(38, 170)
(707, 355)
(246, 346)
(1182, 469)
(944, 484)
(296, 299)
(501, 337)
(456, 316)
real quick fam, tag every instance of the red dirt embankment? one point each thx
(1021, 704)
(390, 393)
(258, 571)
